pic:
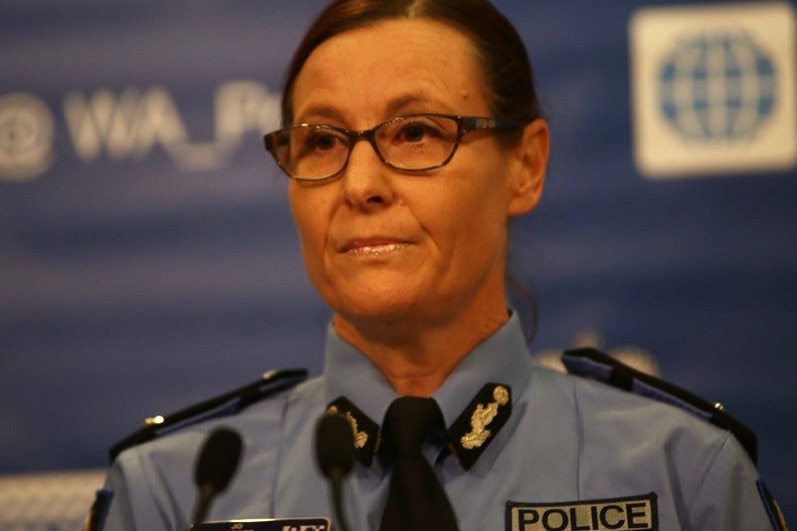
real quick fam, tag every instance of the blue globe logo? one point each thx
(717, 87)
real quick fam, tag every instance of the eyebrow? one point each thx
(322, 111)
(407, 100)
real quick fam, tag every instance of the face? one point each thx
(383, 245)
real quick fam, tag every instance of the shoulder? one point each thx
(635, 427)
(621, 384)
(616, 410)
(152, 474)
(616, 421)
(629, 440)
(260, 401)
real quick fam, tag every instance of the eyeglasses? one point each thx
(412, 143)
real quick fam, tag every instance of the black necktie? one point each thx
(416, 500)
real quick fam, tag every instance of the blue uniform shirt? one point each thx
(573, 455)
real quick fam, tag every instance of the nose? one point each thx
(367, 183)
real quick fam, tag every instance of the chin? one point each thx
(375, 309)
(373, 295)
(391, 305)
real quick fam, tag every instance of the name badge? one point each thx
(270, 524)
(635, 513)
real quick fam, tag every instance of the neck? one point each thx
(416, 356)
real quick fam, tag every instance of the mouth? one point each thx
(377, 246)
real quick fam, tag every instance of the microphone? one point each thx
(335, 456)
(218, 460)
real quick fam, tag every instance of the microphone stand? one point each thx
(217, 463)
(335, 457)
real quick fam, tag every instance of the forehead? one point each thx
(390, 66)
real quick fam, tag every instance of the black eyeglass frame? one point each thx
(465, 124)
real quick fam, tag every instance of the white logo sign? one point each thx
(129, 125)
(714, 89)
(26, 137)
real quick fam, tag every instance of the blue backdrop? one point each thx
(148, 260)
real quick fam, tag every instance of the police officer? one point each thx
(412, 135)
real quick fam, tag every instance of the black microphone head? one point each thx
(334, 444)
(218, 460)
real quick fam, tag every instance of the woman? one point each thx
(412, 136)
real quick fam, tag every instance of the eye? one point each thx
(413, 132)
(321, 140)
(416, 130)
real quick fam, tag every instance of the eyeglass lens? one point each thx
(414, 143)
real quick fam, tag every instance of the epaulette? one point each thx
(592, 363)
(225, 404)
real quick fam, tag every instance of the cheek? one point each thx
(484, 197)
(481, 236)
(309, 217)
(481, 217)
(468, 224)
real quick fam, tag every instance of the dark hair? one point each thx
(500, 55)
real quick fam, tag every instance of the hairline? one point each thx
(479, 62)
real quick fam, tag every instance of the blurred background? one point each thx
(148, 259)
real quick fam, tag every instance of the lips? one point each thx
(373, 246)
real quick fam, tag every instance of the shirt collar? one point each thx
(501, 358)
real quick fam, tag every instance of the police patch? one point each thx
(635, 513)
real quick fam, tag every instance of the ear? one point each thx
(530, 159)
